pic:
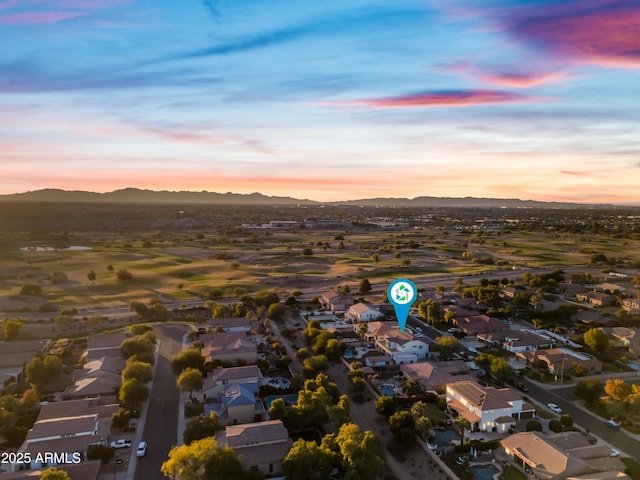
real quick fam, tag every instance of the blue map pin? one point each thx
(402, 293)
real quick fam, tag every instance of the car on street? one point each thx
(122, 443)
(419, 329)
(554, 408)
(142, 449)
(615, 453)
(612, 424)
(522, 387)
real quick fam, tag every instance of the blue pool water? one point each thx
(484, 472)
(443, 436)
(288, 399)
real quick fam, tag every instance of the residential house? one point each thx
(631, 304)
(508, 293)
(572, 290)
(99, 377)
(402, 347)
(563, 456)
(105, 345)
(15, 354)
(594, 317)
(261, 446)
(557, 361)
(229, 347)
(239, 404)
(362, 312)
(627, 337)
(599, 299)
(487, 408)
(436, 375)
(475, 324)
(335, 302)
(517, 340)
(88, 470)
(219, 379)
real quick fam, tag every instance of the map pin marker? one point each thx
(402, 293)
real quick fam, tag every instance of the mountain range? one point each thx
(135, 195)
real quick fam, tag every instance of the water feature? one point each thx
(443, 436)
(484, 472)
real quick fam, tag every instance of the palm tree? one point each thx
(463, 424)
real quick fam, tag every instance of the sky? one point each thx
(328, 100)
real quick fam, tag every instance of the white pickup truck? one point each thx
(121, 443)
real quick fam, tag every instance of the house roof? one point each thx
(538, 453)
(437, 373)
(255, 433)
(63, 426)
(107, 340)
(102, 406)
(8, 360)
(86, 470)
(25, 346)
(362, 308)
(93, 386)
(237, 395)
(485, 398)
(523, 338)
(477, 323)
(235, 373)
(62, 445)
(630, 335)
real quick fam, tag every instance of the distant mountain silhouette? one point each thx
(136, 195)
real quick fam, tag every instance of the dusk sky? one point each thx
(325, 100)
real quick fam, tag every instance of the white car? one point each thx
(121, 443)
(142, 449)
(554, 408)
(615, 453)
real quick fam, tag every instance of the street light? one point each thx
(562, 370)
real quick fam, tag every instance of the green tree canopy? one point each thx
(447, 345)
(203, 459)
(360, 457)
(189, 358)
(385, 405)
(133, 392)
(138, 370)
(308, 461)
(596, 339)
(189, 380)
(52, 473)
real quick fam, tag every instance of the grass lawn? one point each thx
(512, 473)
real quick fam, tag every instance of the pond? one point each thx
(484, 472)
(443, 437)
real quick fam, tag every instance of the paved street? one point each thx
(160, 428)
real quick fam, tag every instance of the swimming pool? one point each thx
(288, 399)
(443, 437)
(484, 472)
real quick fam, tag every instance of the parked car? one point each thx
(554, 408)
(121, 443)
(419, 329)
(612, 424)
(615, 453)
(142, 449)
(522, 387)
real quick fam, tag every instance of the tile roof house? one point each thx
(631, 305)
(554, 358)
(563, 456)
(517, 340)
(627, 337)
(105, 345)
(238, 404)
(15, 354)
(335, 302)
(362, 312)
(402, 347)
(487, 408)
(229, 347)
(475, 324)
(100, 377)
(598, 299)
(261, 446)
(436, 375)
(217, 380)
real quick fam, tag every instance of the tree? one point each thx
(555, 426)
(120, 419)
(91, 276)
(403, 427)
(385, 405)
(617, 389)
(423, 425)
(199, 428)
(34, 371)
(133, 392)
(189, 358)
(463, 424)
(276, 311)
(138, 370)
(203, 459)
(596, 340)
(136, 347)
(589, 390)
(30, 398)
(501, 369)
(278, 410)
(314, 365)
(10, 329)
(124, 275)
(447, 345)
(189, 380)
(365, 286)
(100, 452)
(411, 387)
(52, 473)
(31, 290)
(307, 252)
(308, 461)
(360, 457)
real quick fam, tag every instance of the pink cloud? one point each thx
(459, 98)
(34, 18)
(519, 80)
(603, 33)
